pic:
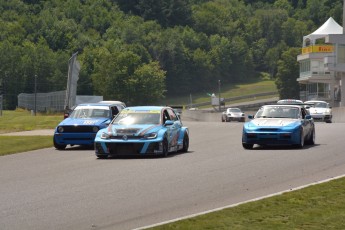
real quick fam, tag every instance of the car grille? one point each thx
(268, 129)
(78, 129)
(127, 137)
(124, 148)
(127, 131)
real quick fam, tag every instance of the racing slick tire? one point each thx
(185, 143)
(165, 146)
(102, 156)
(311, 138)
(301, 142)
(58, 146)
(247, 146)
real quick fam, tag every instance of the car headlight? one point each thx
(95, 129)
(150, 135)
(60, 129)
(105, 135)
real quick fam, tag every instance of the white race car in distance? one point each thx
(320, 110)
(233, 114)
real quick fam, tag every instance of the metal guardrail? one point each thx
(195, 105)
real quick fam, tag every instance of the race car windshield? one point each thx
(235, 110)
(89, 113)
(277, 112)
(126, 118)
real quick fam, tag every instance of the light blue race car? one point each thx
(280, 124)
(81, 126)
(141, 131)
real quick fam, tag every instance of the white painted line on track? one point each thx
(234, 205)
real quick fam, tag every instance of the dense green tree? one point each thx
(270, 22)
(288, 72)
(272, 57)
(182, 46)
(167, 13)
(121, 75)
(218, 17)
(147, 84)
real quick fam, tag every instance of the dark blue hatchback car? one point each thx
(81, 126)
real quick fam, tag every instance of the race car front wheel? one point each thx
(165, 147)
(247, 146)
(58, 146)
(301, 142)
(311, 139)
(185, 143)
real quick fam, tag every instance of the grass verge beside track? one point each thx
(22, 120)
(17, 144)
(317, 207)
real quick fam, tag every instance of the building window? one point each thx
(318, 91)
(304, 66)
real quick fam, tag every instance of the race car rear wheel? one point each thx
(247, 146)
(185, 143)
(58, 146)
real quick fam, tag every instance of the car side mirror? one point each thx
(250, 116)
(308, 117)
(168, 123)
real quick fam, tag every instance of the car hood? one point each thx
(133, 130)
(273, 121)
(84, 121)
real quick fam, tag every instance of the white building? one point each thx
(322, 64)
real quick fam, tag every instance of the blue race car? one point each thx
(81, 126)
(280, 124)
(143, 130)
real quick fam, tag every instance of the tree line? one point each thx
(141, 51)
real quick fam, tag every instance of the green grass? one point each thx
(22, 120)
(227, 91)
(317, 207)
(17, 144)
